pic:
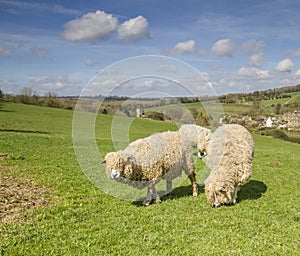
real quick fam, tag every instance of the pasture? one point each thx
(49, 207)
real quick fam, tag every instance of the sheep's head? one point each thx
(204, 137)
(114, 165)
(219, 193)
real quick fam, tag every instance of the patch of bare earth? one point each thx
(18, 194)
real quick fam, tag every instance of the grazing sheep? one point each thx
(144, 162)
(229, 155)
(195, 135)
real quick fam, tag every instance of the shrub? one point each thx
(155, 115)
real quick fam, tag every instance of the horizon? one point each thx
(119, 97)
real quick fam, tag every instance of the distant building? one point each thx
(223, 118)
(269, 122)
(293, 120)
(140, 113)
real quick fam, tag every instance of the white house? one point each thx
(269, 122)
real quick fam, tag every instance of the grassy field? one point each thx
(49, 207)
(245, 109)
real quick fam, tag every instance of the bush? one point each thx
(278, 134)
(155, 115)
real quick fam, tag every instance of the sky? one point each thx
(62, 46)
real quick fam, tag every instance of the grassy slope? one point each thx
(246, 108)
(83, 220)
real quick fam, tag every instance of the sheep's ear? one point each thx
(103, 162)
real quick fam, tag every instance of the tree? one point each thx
(26, 91)
(277, 108)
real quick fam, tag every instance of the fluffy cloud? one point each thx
(91, 27)
(99, 26)
(185, 47)
(253, 73)
(224, 47)
(285, 65)
(256, 59)
(50, 84)
(251, 47)
(297, 73)
(134, 29)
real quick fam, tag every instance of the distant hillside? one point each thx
(271, 94)
(242, 103)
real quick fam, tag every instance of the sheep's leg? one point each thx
(189, 169)
(237, 189)
(169, 187)
(192, 177)
(148, 199)
(150, 193)
(156, 195)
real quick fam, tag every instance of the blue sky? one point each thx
(59, 46)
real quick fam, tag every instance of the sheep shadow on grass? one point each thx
(182, 191)
(252, 190)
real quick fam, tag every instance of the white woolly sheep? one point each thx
(229, 155)
(195, 135)
(144, 162)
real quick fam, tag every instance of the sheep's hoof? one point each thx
(215, 205)
(195, 194)
(146, 202)
(233, 202)
(157, 200)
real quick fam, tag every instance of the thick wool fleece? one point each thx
(229, 156)
(161, 155)
(195, 135)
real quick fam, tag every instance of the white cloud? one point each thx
(251, 47)
(90, 27)
(297, 73)
(256, 59)
(46, 83)
(185, 47)
(134, 30)
(224, 47)
(102, 87)
(285, 65)
(91, 63)
(253, 73)
(5, 52)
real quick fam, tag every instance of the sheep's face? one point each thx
(219, 193)
(113, 166)
(114, 174)
(203, 141)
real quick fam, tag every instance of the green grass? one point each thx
(295, 98)
(80, 219)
